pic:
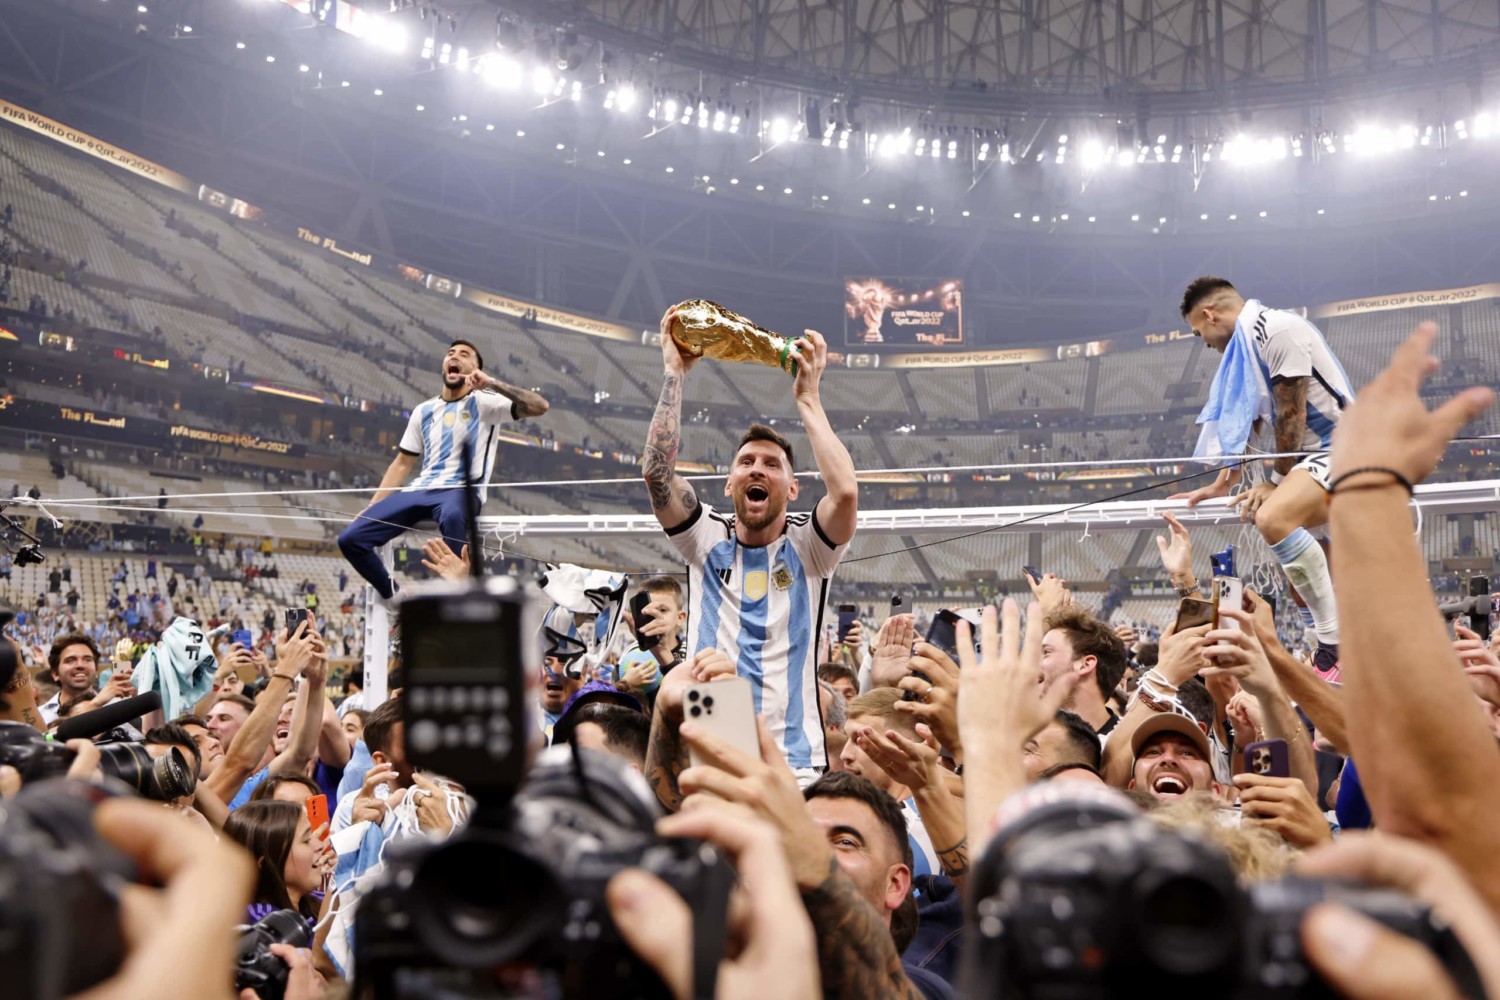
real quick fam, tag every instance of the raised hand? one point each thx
(1177, 553)
(438, 558)
(890, 657)
(674, 360)
(1051, 591)
(1285, 807)
(937, 695)
(1251, 500)
(812, 359)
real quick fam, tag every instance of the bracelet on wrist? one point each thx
(1397, 479)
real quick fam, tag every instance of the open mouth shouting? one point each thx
(452, 371)
(1169, 785)
(756, 493)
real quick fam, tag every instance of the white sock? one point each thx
(1302, 558)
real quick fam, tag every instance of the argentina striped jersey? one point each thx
(439, 431)
(1288, 346)
(763, 608)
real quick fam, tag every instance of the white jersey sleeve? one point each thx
(411, 441)
(704, 528)
(495, 407)
(813, 544)
(1288, 346)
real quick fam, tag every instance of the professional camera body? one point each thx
(256, 968)
(60, 887)
(1081, 896)
(521, 888)
(164, 778)
(1477, 607)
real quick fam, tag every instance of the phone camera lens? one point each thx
(708, 702)
(695, 711)
(692, 696)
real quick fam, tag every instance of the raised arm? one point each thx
(673, 499)
(525, 402)
(1427, 757)
(1323, 702)
(396, 474)
(243, 755)
(839, 508)
(307, 715)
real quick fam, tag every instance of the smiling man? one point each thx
(1172, 758)
(758, 579)
(459, 421)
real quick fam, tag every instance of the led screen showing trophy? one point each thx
(903, 312)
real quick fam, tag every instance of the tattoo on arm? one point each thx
(663, 442)
(666, 758)
(528, 403)
(955, 860)
(1291, 418)
(856, 955)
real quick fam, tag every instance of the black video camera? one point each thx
(1081, 896)
(256, 968)
(523, 884)
(165, 778)
(1477, 607)
(60, 888)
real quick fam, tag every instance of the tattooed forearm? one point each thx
(856, 955)
(955, 860)
(666, 758)
(1291, 419)
(528, 403)
(663, 442)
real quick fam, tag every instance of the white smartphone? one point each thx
(725, 708)
(1231, 592)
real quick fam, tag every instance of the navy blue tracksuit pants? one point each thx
(393, 516)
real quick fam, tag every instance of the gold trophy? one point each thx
(706, 329)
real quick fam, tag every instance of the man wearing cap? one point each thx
(1172, 758)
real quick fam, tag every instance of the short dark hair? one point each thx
(267, 788)
(62, 642)
(378, 726)
(355, 676)
(1194, 696)
(1080, 740)
(478, 358)
(663, 585)
(835, 671)
(236, 699)
(190, 720)
(1200, 289)
(1147, 653)
(626, 731)
(847, 785)
(1091, 637)
(760, 432)
(173, 735)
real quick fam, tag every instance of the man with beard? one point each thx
(458, 421)
(758, 580)
(1172, 758)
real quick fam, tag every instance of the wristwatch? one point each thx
(1188, 591)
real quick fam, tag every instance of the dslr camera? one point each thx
(60, 888)
(1080, 896)
(165, 778)
(520, 890)
(256, 967)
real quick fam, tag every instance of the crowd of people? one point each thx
(873, 809)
